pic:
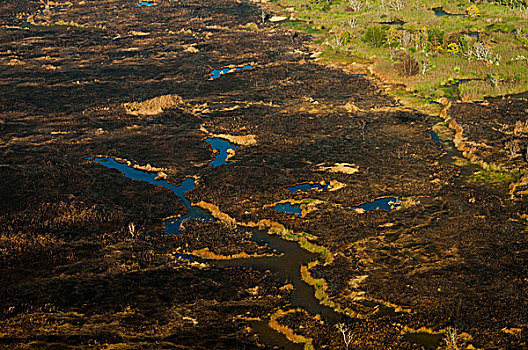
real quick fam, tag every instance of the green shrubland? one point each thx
(437, 49)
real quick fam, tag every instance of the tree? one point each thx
(347, 334)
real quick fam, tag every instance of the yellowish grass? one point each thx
(288, 332)
(153, 106)
(205, 253)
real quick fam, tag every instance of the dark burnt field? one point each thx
(85, 262)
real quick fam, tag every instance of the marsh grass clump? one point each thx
(496, 176)
(153, 106)
(522, 35)
(287, 331)
(451, 339)
(407, 66)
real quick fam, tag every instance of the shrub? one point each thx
(356, 5)
(345, 37)
(376, 36)
(322, 3)
(492, 79)
(522, 35)
(397, 5)
(436, 37)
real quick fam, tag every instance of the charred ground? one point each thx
(71, 273)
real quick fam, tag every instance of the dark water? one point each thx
(427, 340)
(186, 257)
(440, 12)
(287, 267)
(272, 337)
(306, 187)
(435, 138)
(388, 204)
(431, 102)
(222, 146)
(140, 175)
(173, 225)
(217, 73)
(288, 208)
(397, 22)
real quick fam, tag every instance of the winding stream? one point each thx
(172, 225)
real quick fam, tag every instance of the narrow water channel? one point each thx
(287, 268)
(172, 225)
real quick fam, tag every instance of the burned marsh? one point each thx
(145, 150)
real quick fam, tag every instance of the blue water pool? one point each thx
(288, 208)
(306, 187)
(222, 146)
(388, 204)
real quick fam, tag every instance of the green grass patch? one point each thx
(496, 176)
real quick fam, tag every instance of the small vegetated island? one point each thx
(290, 174)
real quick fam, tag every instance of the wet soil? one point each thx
(74, 275)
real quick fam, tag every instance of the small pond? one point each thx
(434, 136)
(145, 3)
(440, 12)
(387, 203)
(288, 208)
(306, 187)
(217, 73)
(223, 147)
(184, 257)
